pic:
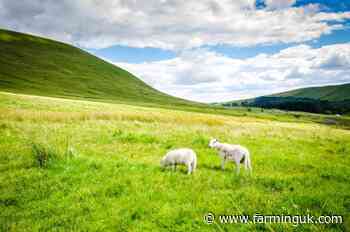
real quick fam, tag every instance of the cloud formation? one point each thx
(169, 24)
(279, 4)
(207, 76)
(185, 26)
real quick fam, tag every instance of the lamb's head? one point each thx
(213, 142)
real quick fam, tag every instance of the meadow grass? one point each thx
(75, 165)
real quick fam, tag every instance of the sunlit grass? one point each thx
(105, 173)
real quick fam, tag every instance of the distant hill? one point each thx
(325, 99)
(38, 66)
(329, 93)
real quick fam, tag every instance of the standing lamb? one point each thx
(183, 156)
(234, 153)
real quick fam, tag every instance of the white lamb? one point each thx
(234, 153)
(184, 156)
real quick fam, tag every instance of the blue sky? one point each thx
(207, 50)
(119, 53)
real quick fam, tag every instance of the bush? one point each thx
(43, 156)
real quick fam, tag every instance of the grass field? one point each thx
(78, 165)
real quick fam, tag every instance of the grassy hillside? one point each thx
(329, 93)
(38, 66)
(334, 99)
(78, 165)
(34, 65)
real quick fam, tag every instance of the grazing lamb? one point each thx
(234, 153)
(183, 156)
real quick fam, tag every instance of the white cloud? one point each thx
(333, 59)
(279, 4)
(171, 24)
(207, 76)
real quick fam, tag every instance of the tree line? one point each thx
(297, 104)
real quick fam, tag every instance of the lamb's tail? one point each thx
(247, 162)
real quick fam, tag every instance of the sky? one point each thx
(208, 50)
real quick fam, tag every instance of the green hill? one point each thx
(39, 66)
(325, 99)
(329, 93)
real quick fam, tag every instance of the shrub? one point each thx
(43, 156)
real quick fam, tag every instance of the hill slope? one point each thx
(38, 66)
(329, 93)
(325, 99)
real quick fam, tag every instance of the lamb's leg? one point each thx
(238, 165)
(193, 166)
(189, 168)
(174, 166)
(223, 163)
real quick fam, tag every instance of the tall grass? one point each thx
(97, 168)
(43, 155)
